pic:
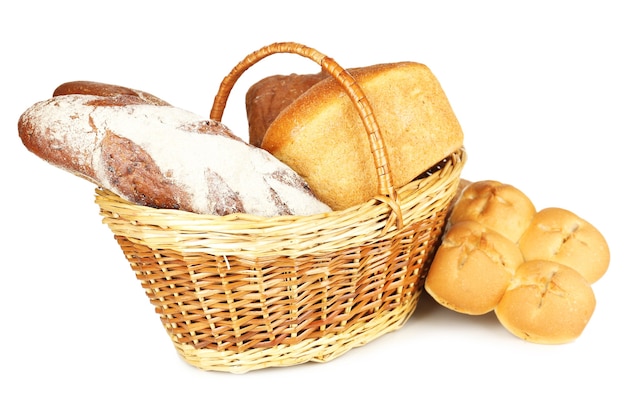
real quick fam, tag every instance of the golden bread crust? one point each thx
(472, 268)
(547, 302)
(321, 136)
(268, 97)
(502, 207)
(559, 235)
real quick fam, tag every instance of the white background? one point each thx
(538, 87)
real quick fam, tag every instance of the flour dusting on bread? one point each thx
(182, 147)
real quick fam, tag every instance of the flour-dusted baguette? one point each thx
(162, 156)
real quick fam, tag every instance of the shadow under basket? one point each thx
(238, 292)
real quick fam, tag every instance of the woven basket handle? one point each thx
(377, 146)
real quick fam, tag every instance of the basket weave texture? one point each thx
(238, 292)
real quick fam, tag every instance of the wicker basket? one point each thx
(237, 293)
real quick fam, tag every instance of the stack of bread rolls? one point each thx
(533, 268)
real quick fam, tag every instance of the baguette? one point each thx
(154, 154)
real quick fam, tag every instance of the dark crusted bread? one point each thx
(158, 155)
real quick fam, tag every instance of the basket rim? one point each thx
(460, 155)
(244, 234)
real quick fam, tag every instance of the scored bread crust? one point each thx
(321, 136)
(472, 268)
(546, 302)
(499, 206)
(162, 156)
(559, 235)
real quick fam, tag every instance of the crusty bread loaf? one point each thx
(472, 268)
(321, 136)
(268, 97)
(106, 90)
(559, 235)
(546, 302)
(500, 206)
(162, 156)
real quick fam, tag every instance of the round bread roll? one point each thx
(499, 206)
(558, 235)
(546, 302)
(472, 268)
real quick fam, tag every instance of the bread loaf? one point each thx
(106, 90)
(321, 136)
(268, 97)
(158, 155)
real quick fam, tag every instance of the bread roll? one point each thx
(321, 136)
(559, 235)
(499, 206)
(162, 156)
(546, 302)
(472, 268)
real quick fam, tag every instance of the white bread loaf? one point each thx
(321, 136)
(161, 156)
